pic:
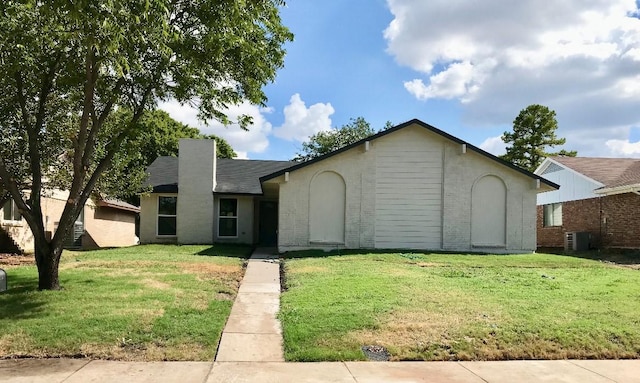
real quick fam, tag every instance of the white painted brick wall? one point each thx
(459, 172)
(195, 192)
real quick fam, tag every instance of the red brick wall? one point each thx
(621, 220)
(617, 225)
(583, 215)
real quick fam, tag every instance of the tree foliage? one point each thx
(159, 136)
(67, 65)
(328, 141)
(534, 130)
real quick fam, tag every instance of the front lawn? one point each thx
(152, 302)
(459, 307)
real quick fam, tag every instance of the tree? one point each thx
(328, 141)
(533, 131)
(159, 136)
(67, 65)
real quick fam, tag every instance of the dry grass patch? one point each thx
(459, 307)
(144, 303)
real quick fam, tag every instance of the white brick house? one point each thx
(409, 187)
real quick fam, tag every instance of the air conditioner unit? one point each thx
(577, 241)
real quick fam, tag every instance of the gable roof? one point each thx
(607, 171)
(402, 126)
(610, 172)
(232, 176)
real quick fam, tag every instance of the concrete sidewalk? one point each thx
(253, 333)
(82, 371)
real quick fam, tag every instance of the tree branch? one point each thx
(22, 100)
(89, 92)
(99, 122)
(34, 130)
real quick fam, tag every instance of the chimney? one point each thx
(196, 182)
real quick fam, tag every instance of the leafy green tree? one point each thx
(328, 141)
(159, 136)
(67, 65)
(534, 130)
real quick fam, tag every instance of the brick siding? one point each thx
(612, 222)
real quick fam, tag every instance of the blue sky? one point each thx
(467, 68)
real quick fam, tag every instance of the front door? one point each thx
(268, 223)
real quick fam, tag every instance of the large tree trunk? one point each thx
(48, 260)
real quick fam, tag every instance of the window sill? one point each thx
(12, 223)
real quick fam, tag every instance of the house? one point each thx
(409, 187)
(102, 223)
(599, 196)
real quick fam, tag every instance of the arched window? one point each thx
(327, 208)
(489, 212)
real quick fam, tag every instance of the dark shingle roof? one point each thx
(612, 172)
(233, 176)
(163, 175)
(243, 176)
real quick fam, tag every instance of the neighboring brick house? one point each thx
(412, 186)
(600, 196)
(102, 223)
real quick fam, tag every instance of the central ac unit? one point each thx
(577, 241)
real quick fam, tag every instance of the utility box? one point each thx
(3, 280)
(577, 241)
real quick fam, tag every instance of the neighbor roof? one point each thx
(611, 172)
(117, 204)
(232, 176)
(402, 126)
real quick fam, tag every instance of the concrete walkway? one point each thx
(98, 371)
(252, 333)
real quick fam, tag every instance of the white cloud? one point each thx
(300, 122)
(254, 140)
(580, 58)
(494, 145)
(623, 148)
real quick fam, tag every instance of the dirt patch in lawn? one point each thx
(207, 271)
(12, 260)
(156, 284)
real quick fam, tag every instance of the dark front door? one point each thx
(268, 223)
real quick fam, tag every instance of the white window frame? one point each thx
(158, 215)
(14, 209)
(552, 215)
(220, 217)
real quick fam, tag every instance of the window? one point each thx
(552, 214)
(10, 212)
(228, 218)
(167, 215)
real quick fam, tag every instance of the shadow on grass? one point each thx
(22, 300)
(619, 256)
(332, 253)
(228, 250)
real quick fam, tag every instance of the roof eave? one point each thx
(604, 191)
(133, 209)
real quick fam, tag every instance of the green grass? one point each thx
(459, 307)
(152, 302)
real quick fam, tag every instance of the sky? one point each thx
(465, 67)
